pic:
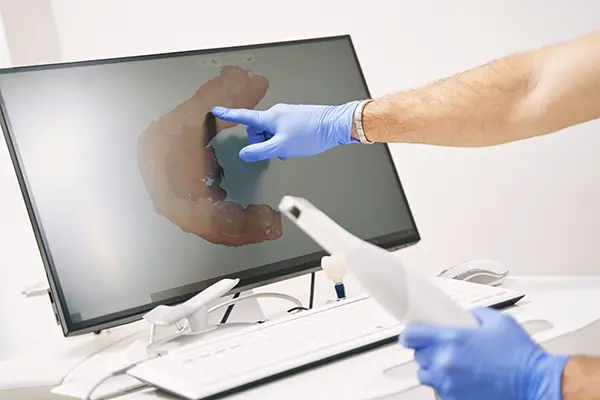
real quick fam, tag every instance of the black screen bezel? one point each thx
(249, 278)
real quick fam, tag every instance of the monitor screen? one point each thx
(138, 197)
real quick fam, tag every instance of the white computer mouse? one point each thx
(485, 272)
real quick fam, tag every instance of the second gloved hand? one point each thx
(497, 361)
(287, 130)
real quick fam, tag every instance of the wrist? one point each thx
(373, 113)
(349, 130)
(581, 378)
(544, 377)
(354, 136)
(338, 122)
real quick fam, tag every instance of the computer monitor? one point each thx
(137, 195)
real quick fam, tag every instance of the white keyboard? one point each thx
(277, 347)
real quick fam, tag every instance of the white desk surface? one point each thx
(555, 298)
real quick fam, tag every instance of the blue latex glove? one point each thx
(497, 361)
(287, 130)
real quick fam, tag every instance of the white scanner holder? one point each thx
(190, 317)
(194, 310)
(194, 314)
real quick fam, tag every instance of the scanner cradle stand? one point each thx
(190, 318)
(195, 316)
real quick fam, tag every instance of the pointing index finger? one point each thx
(239, 116)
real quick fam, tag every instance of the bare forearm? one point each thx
(581, 379)
(517, 97)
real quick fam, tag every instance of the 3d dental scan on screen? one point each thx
(136, 192)
(182, 172)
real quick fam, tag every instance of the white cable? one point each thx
(282, 296)
(90, 393)
(152, 334)
(114, 374)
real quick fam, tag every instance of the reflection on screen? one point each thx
(140, 192)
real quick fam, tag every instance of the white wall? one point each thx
(531, 205)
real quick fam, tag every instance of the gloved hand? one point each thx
(287, 130)
(498, 360)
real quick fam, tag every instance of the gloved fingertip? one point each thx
(426, 377)
(405, 341)
(219, 111)
(401, 339)
(417, 336)
(249, 156)
(245, 157)
(483, 312)
(283, 158)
